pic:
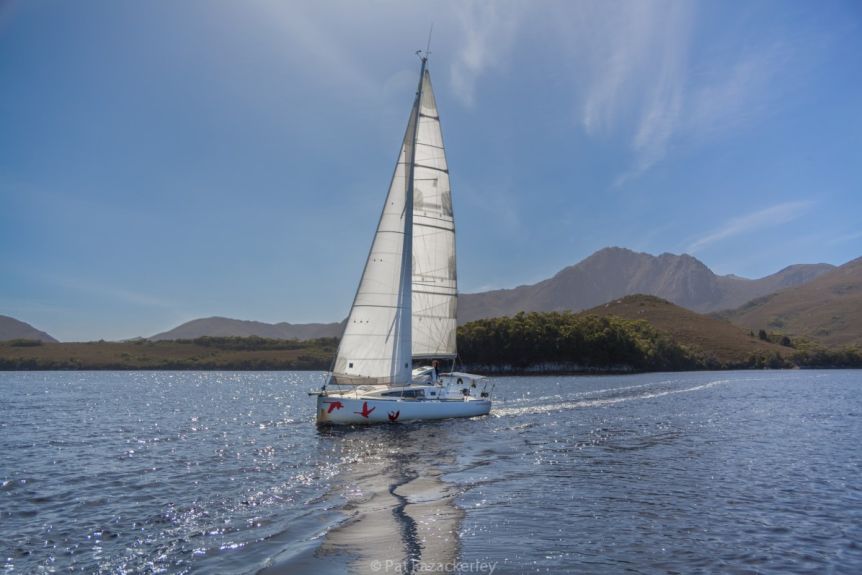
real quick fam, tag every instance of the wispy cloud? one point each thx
(489, 29)
(660, 111)
(110, 292)
(768, 217)
(644, 79)
(844, 238)
(316, 43)
(635, 59)
(607, 64)
(630, 61)
(727, 98)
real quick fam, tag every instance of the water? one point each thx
(154, 472)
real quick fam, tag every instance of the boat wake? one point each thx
(600, 398)
(584, 394)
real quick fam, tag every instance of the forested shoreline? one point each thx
(203, 353)
(565, 342)
(527, 343)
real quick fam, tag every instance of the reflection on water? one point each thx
(401, 515)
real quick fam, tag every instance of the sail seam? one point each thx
(435, 227)
(445, 171)
(424, 214)
(430, 145)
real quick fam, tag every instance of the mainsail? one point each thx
(406, 301)
(434, 272)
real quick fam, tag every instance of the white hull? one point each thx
(357, 408)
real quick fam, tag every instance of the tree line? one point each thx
(553, 341)
(564, 338)
(566, 341)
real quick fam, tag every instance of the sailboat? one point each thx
(405, 304)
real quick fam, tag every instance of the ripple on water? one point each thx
(225, 472)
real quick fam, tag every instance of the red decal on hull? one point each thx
(393, 415)
(365, 411)
(334, 405)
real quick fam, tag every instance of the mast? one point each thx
(404, 336)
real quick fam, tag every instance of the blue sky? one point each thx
(162, 161)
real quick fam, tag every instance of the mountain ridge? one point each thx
(614, 272)
(827, 310)
(11, 328)
(217, 326)
(606, 275)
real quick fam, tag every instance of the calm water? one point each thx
(743, 472)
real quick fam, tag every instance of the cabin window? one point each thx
(407, 393)
(350, 364)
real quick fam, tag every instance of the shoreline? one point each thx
(486, 373)
(258, 354)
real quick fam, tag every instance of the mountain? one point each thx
(827, 310)
(612, 273)
(708, 337)
(607, 275)
(225, 327)
(11, 328)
